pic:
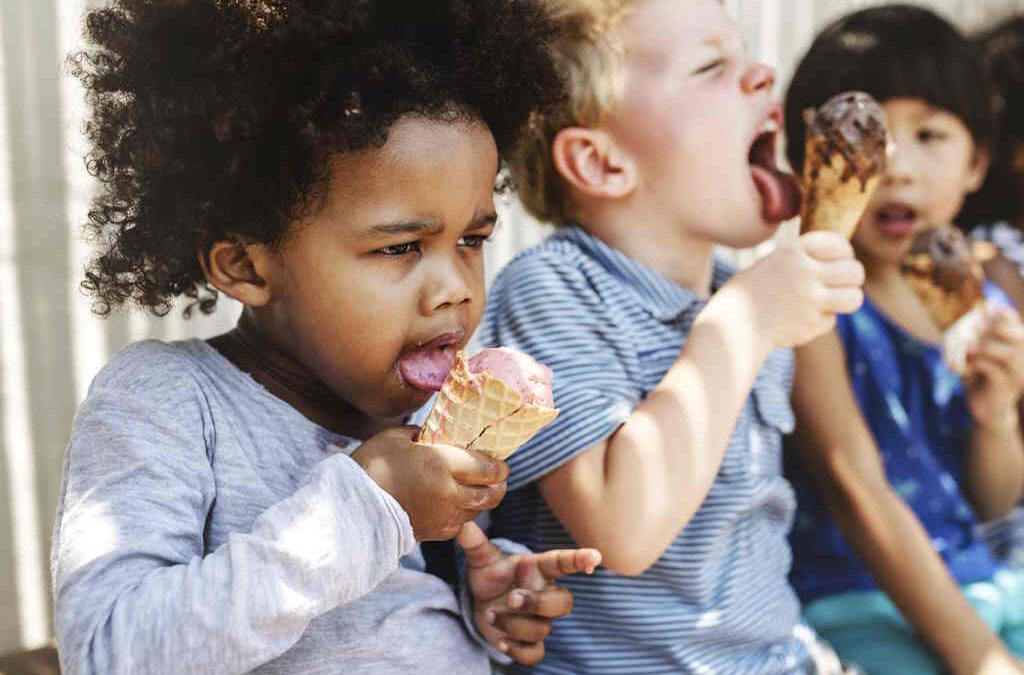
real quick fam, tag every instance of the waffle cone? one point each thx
(945, 306)
(480, 412)
(834, 197)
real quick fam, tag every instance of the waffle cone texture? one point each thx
(834, 200)
(480, 412)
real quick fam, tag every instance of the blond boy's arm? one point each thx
(658, 467)
(630, 496)
(837, 448)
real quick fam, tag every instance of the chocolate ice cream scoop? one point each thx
(852, 124)
(943, 270)
(845, 156)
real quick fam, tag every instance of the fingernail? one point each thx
(502, 647)
(491, 617)
(516, 600)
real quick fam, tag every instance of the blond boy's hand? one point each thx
(440, 487)
(515, 598)
(796, 291)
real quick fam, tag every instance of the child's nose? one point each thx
(758, 76)
(447, 287)
(897, 167)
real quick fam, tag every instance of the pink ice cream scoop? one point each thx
(518, 370)
(491, 403)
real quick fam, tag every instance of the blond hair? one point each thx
(589, 53)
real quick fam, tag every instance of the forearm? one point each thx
(893, 545)
(249, 601)
(659, 466)
(994, 466)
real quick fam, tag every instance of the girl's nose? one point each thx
(897, 167)
(757, 77)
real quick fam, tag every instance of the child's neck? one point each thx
(249, 348)
(892, 295)
(654, 241)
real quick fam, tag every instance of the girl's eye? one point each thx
(929, 135)
(710, 67)
(473, 240)
(399, 249)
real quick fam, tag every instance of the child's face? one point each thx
(692, 107)
(933, 167)
(392, 263)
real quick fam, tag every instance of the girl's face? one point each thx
(390, 270)
(933, 167)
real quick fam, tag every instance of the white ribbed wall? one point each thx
(50, 344)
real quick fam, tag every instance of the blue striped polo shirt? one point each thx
(717, 601)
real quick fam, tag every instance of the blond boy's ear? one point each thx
(591, 162)
(239, 271)
(979, 169)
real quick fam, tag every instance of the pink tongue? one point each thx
(426, 368)
(780, 196)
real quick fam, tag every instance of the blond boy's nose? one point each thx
(758, 76)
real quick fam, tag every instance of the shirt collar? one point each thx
(661, 297)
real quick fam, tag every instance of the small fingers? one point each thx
(551, 603)
(843, 300)
(525, 653)
(479, 550)
(477, 498)
(826, 246)
(473, 468)
(520, 628)
(556, 564)
(845, 272)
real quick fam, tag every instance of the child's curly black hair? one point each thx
(1000, 199)
(214, 119)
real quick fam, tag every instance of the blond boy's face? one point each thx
(691, 109)
(390, 270)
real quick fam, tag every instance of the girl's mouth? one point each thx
(426, 365)
(896, 220)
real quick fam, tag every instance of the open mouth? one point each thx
(426, 365)
(779, 190)
(896, 219)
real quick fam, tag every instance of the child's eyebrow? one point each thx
(483, 221)
(407, 227)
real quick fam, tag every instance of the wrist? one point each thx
(1005, 421)
(732, 313)
(374, 466)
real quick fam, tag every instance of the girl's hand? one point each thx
(514, 596)
(995, 370)
(440, 487)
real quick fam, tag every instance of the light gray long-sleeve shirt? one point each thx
(205, 526)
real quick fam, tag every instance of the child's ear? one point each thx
(979, 169)
(591, 162)
(239, 271)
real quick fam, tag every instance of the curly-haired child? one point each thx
(253, 502)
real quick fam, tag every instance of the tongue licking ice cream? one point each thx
(845, 158)
(492, 403)
(947, 276)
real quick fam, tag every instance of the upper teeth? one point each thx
(769, 126)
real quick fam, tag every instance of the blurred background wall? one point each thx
(51, 345)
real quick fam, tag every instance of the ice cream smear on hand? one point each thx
(846, 149)
(492, 403)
